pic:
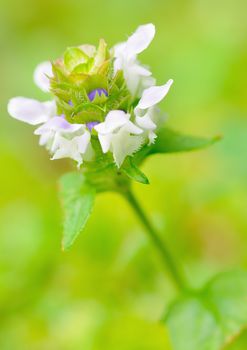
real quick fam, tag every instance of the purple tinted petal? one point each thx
(91, 125)
(92, 94)
(57, 124)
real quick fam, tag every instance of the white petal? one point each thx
(118, 64)
(63, 148)
(41, 74)
(56, 140)
(51, 108)
(44, 139)
(105, 141)
(28, 110)
(146, 82)
(154, 95)
(141, 39)
(64, 153)
(119, 49)
(137, 78)
(132, 128)
(146, 122)
(123, 145)
(116, 119)
(113, 121)
(72, 148)
(152, 136)
(53, 138)
(83, 141)
(140, 70)
(118, 52)
(58, 124)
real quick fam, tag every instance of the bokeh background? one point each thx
(109, 291)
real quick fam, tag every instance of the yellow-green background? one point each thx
(109, 291)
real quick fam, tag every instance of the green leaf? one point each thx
(131, 170)
(211, 318)
(77, 198)
(169, 141)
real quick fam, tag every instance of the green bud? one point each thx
(74, 57)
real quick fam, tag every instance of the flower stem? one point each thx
(167, 258)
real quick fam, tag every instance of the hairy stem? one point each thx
(167, 258)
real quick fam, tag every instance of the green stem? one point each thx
(167, 258)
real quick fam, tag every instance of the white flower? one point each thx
(137, 76)
(42, 74)
(56, 133)
(65, 140)
(31, 111)
(119, 135)
(53, 128)
(146, 110)
(75, 148)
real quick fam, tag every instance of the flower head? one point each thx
(104, 102)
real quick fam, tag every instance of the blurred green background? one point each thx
(109, 291)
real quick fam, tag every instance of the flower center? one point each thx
(100, 91)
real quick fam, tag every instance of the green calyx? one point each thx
(80, 77)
